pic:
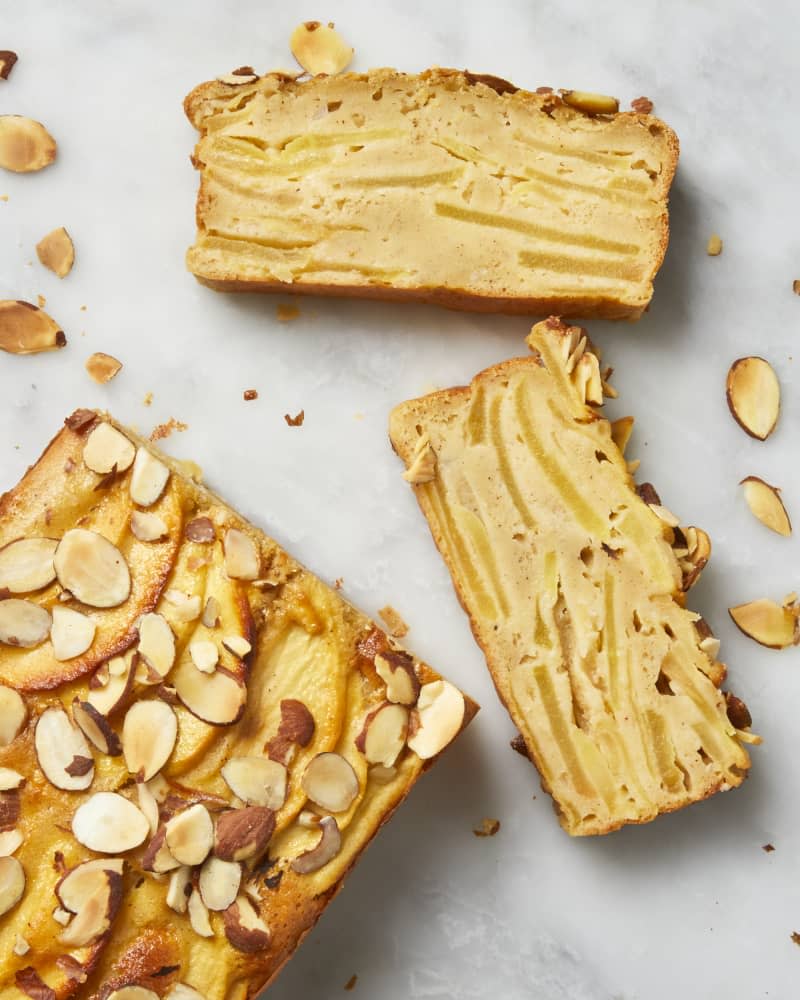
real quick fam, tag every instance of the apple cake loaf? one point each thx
(443, 186)
(574, 580)
(197, 736)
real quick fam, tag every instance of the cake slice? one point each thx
(442, 187)
(197, 736)
(574, 579)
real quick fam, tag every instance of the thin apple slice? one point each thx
(95, 728)
(754, 396)
(63, 753)
(765, 504)
(72, 633)
(148, 479)
(148, 737)
(23, 623)
(107, 448)
(13, 715)
(12, 884)
(330, 782)
(92, 569)
(439, 716)
(27, 565)
(770, 624)
(109, 824)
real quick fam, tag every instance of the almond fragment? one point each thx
(109, 697)
(133, 993)
(178, 891)
(157, 643)
(27, 565)
(158, 858)
(107, 449)
(92, 569)
(93, 892)
(148, 479)
(204, 654)
(58, 743)
(384, 733)
(219, 883)
(242, 834)
(101, 367)
(13, 715)
(768, 623)
(329, 845)
(72, 633)
(8, 60)
(186, 607)
(714, 245)
(148, 527)
(393, 621)
(423, 463)
(148, 805)
(198, 916)
(211, 613)
(237, 645)
(200, 529)
(56, 252)
(642, 105)
(754, 396)
(190, 835)
(439, 715)
(320, 49)
(396, 669)
(148, 737)
(10, 842)
(12, 884)
(27, 329)
(23, 623)
(21, 944)
(9, 778)
(109, 824)
(217, 698)
(257, 781)
(242, 560)
(244, 928)
(765, 503)
(591, 104)
(25, 144)
(330, 782)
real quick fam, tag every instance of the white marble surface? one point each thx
(689, 906)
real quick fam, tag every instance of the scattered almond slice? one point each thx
(330, 782)
(488, 827)
(396, 669)
(439, 715)
(148, 479)
(9, 778)
(204, 654)
(93, 892)
(198, 915)
(148, 527)
(754, 396)
(242, 561)
(148, 737)
(320, 49)
(27, 565)
(25, 144)
(190, 835)
(23, 623)
(241, 835)
(148, 805)
(219, 883)
(393, 621)
(186, 607)
(211, 613)
(56, 252)
(200, 529)
(92, 569)
(158, 858)
(59, 744)
(157, 643)
(115, 693)
(12, 884)
(13, 715)
(109, 824)
(101, 367)
(21, 944)
(95, 728)
(591, 104)
(714, 245)
(72, 633)
(180, 882)
(768, 623)
(8, 60)
(10, 842)
(257, 780)
(383, 735)
(106, 449)
(244, 928)
(216, 698)
(329, 845)
(27, 329)
(765, 503)
(237, 645)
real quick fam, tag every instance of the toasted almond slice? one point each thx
(330, 782)
(237, 645)
(190, 835)
(439, 715)
(102, 367)
(59, 745)
(148, 527)
(13, 715)
(95, 728)
(132, 993)
(110, 697)
(180, 882)
(92, 569)
(56, 252)
(107, 448)
(12, 884)
(25, 144)
(768, 623)
(204, 654)
(198, 915)
(157, 643)
(396, 669)
(21, 946)
(211, 613)
(216, 698)
(384, 733)
(754, 396)
(27, 565)
(320, 49)
(242, 561)
(257, 780)
(244, 928)
(148, 479)
(330, 843)
(187, 607)
(72, 633)
(200, 529)
(61, 916)
(23, 623)
(765, 503)
(10, 842)
(710, 646)
(241, 835)
(423, 463)
(27, 329)
(73, 888)
(100, 897)
(308, 820)
(591, 104)
(219, 883)
(8, 60)
(109, 824)
(148, 804)
(180, 991)
(9, 778)
(158, 858)
(148, 737)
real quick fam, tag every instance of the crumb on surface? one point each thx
(359, 415)
(768, 848)
(3, 197)
(249, 394)
(161, 431)
(642, 105)
(796, 938)
(796, 286)
(41, 301)
(393, 621)
(286, 312)
(488, 827)
(338, 583)
(351, 982)
(83, 309)
(296, 420)
(148, 398)
(714, 246)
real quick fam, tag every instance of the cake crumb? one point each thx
(488, 827)
(3, 197)
(148, 398)
(41, 301)
(249, 394)
(796, 938)
(351, 982)
(642, 106)
(796, 286)
(393, 621)
(161, 431)
(295, 421)
(714, 246)
(338, 583)
(83, 309)
(286, 313)
(768, 848)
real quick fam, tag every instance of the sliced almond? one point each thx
(211, 613)
(219, 883)
(330, 782)
(384, 733)
(148, 737)
(422, 468)
(200, 529)
(190, 835)
(157, 643)
(204, 654)
(244, 928)
(765, 503)
(180, 882)
(25, 144)
(591, 104)
(320, 49)
(95, 728)
(12, 884)
(9, 778)
(109, 824)
(307, 819)
(242, 834)
(101, 367)
(21, 946)
(237, 645)
(439, 716)
(27, 565)
(768, 623)
(132, 993)
(98, 894)
(216, 698)
(158, 857)
(107, 448)
(8, 60)
(27, 329)
(13, 715)
(148, 527)
(242, 560)
(198, 916)
(148, 479)
(74, 886)
(148, 805)
(92, 569)
(72, 633)
(10, 842)
(56, 252)
(186, 607)
(59, 744)
(23, 623)
(396, 669)
(61, 916)
(257, 780)
(754, 396)
(329, 845)
(180, 991)
(112, 696)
